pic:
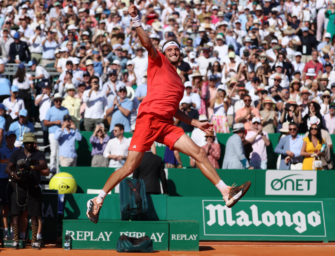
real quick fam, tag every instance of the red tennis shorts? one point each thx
(150, 128)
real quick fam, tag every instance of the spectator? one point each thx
(330, 119)
(213, 150)
(120, 110)
(43, 102)
(53, 120)
(140, 64)
(13, 105)
(2, 123)
(290, 112)
(268, 116)
(22, 80)
(259, 140)
(4, 83)
(186, 107)
(325, 103)
(116, 150)
(18, 50)
(311, 148)
(5, 153)
(72, 103)
(313, 110)
(5, 42)
(40, 72)
(20, 127)
(99, 140)
(234, 157)
(96, 102)
(67, 136)
(220, 104)
(49, 45)
(289, 147)
(245, 114)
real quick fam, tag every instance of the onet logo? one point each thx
(291, 183)
(294, 184)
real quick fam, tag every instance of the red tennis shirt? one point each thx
(165, 89)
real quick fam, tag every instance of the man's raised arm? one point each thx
(144, 38)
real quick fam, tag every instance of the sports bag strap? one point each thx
(137, 195)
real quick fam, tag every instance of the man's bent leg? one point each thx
(94, 205)
(188, 147)
(231, 195)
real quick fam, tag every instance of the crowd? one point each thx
(250, 67)
(265, 64)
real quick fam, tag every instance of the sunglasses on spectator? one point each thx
(313, 128)
(277, 80)
(58, 100)
(326, 96)
(292, 129)
(247, 100)
(95, 82)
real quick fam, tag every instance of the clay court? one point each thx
(206, 248)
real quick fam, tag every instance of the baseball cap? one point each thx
(113, 72)
(2, 106)
(23, 112)
(188, 84)
(16, 35)
(14, 88)
(67, 118)
(32, 62)
(256, 120)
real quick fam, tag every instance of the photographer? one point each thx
(25, 167)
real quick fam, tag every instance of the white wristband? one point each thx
(101, 196)
(136, 21)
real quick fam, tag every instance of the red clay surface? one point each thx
(206, 248)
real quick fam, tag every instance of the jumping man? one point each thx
(155, 122)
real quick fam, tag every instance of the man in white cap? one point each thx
(155, 122)
(234, 157)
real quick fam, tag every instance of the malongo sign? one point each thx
(290, 183)
(264, 218)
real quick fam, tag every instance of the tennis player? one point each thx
(155, 122)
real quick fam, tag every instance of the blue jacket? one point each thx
(281, 148)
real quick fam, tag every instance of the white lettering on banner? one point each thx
(81, 235)
(291, 183)
(156, 237)
(184, 237)
(222, 215)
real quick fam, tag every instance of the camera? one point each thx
(23, 168)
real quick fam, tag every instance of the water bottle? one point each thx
(67, 242)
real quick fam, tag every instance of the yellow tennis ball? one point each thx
(64, 183)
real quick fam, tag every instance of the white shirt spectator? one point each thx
(95, 104)
(25, 84)
(41, 71)
(13, 108)
(43, 105)
(140, 67)
(118, 148)
(330, 123)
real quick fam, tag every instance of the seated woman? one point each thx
(312, 148)
(99, 141)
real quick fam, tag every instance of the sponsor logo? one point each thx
(264, 218)
(156, 236)
(184, 237)
(93, 236)
(290, 183)
(81, 235)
